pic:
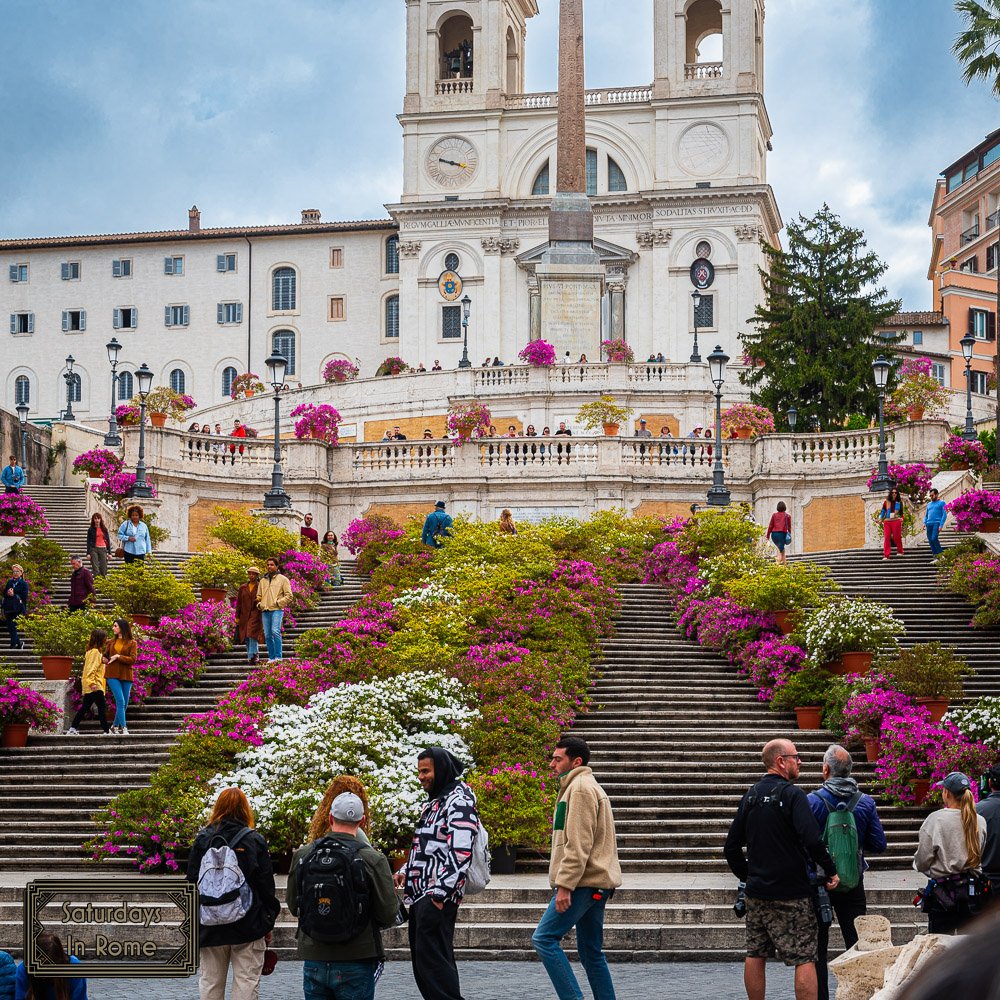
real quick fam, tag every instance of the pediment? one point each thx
(609, 253)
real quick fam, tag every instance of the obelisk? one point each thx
(570, 275)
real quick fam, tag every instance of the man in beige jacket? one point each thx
(584, 871)
(274, 594)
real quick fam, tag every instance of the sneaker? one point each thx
(123, 731)
(72, 732)
(934, 561)
(115, 730)
(885, 558)
(109, 731)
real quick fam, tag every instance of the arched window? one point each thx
(541, 185)
(283, 289)
(228, 377)
(76, 387)
(177, 380)
(392, 318)
(22, 390)
(513, 64)
(616, 179)
(283, 343)
(456, 36)
(451, 262)
(126, 386)
(703, 44)
(591, 171)
(392, 255)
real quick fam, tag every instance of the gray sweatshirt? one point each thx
(941, 847)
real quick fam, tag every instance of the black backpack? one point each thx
(335, 892)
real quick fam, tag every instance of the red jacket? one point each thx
(781, 520)
(81, 586)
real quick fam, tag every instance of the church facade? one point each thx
(676, 171)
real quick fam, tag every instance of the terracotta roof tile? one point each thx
(916, 319)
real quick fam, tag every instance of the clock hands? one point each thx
(452, 163)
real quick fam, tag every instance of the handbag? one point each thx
(270, 961)
(120, 552)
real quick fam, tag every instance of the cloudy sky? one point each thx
(118, 115)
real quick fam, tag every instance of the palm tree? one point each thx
(976, 48)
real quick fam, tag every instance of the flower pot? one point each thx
(851, 663)
(611, 430)
(809, 716)
(786, 620)
(916, 412)
(743, 433)
(921, 789)
(502, 859)
(143, 621)
(15, 734)
(57, 668)
(991, 525)
(936, 706)
(397, 862)
(957, 466)
(248, 393)
(213, 595)
(873, 748)
(158, 419)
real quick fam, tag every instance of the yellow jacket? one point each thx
(274, 592)
(93, 671)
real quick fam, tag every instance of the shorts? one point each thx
(781, 539)
(785, 928)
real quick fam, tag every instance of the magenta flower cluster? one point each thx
(539, 354)
(974, 507)
(20, 705)
(116, 487)
(363, 531)
(913, 480)
(956, 451)
(768, 662)
(99, 463)
(317, 420)
(20, 515)
(127, 415)
(340, 370)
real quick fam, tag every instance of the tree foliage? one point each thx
(813, 341)
(976, 47)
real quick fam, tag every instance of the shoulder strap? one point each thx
(241, 836)
(852, 802)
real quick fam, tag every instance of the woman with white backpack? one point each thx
(238, 905)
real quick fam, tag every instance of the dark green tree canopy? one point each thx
(813, 340)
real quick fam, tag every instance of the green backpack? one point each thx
(840, 835)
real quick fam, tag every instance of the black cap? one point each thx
(439, 505)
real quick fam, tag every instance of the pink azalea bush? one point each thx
(768, 662)
(339, 370)
(368, 538)
(913, 480)
(98, 463)
(617, 351)
(539, 354)
(467, 421)
(127, 415)
(242, 384)
(392, 366)
(317, 420)
(974, 507)
(20, 515)
(747, 416)
(956, 452)
(20, 705)
(116, 487)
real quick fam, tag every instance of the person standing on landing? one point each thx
(584, 871)
(120, 653)
(437, 525)
(13, 477)
(273, 595)
(934, 517)
(892, 522)
(14, 603)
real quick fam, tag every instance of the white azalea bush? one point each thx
(429, 596)
(372, 730)
(848, 627)
(979, 721)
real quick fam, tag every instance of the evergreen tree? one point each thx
(814, 339)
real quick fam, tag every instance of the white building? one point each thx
(676, 169)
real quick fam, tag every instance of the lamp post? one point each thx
(881, 369)
(141, 490)
(968, 343)
(68, 375)
(466, 309)
(276, 498)
(22, 417)
(113, 439)
(718, 495)
(793, 415)
(695, 356)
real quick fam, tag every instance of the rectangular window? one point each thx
(70, 270)
(229, 313)
(18, 272)
(451, 322)
(591, 172)
(970, 265)
(918, 337)
(125, 318)
(954, 180)
(173, 265)
(121, 268)
(225, 262)
(336, 307)
(177, 315)
(979, 323)
(938, 371)
(971, 170)
(22, 322)
(336, 256)
(979, 383)
(991, 156)
(74, 320)
(704, 313)
(991, 256)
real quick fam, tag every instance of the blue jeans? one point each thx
(122, 690)
(338, 980)
(271, 621)
(586, 914)
(252, 646)
(932, 538)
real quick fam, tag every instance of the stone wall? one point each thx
(37, 447)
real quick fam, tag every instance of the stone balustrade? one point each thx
(703, 71)
(592, 98)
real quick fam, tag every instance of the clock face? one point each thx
(452, 161)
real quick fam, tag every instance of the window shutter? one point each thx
(166, 316)
(65, 319)
(239, 312)
(187, 315)
(83, 319)
(135, 317)
(13, 322)
(116, 269)
(991, 326)
(220, 313)
(13, 272)
(220, 262)
(972, 322)
(31, 322)
(168, 265)
(65, 272)
(116, 321)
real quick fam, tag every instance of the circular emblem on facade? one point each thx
(703, 249)
(449, 285)
(702, 273)
(452, 161)
(703, 149)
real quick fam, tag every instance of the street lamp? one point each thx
(695, 356)
(466, 309)
(793, 416)
(22, 416)
(276, 498)
(718, 495)
(968, 343)
(881, 369)
(113, 439)
(141, 490)
(68, 375)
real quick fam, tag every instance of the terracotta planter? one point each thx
(873, 748)
(15, 734)
(743, 433)
(991, 525)
(611, 430)
(158, 419)
(397, 862)
(144, 621)
(213, 595)
(851, 663)
(916, 412)
(936, 706)
(786, 620)
(809, 716)
(249, 393)
(921, 789)
(502, 859)
(57, 668)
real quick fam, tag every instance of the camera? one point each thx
(740, 906)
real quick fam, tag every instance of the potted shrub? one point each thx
(98, 463)
(617, 352)
(605, 412)
(127, 414)
(22, 708)
(318, 421)
(917, 391)
(392, 366)
(144, 590)
(467, 421)
(20, 515)
(747, 420)
(60, 638)
(339, 370)
(865, 709)
(957, 453)
(913, 480)
(844, 635)
(805, 693)
(219, 574)
(783, 590)
(164, 402)
(976, 510)
(538, 354)
(244, 386)
(931, 674)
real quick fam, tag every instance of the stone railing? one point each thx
(703, 71)
(207, 450)
(592, 98)
(402, 456)
(447, 88)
